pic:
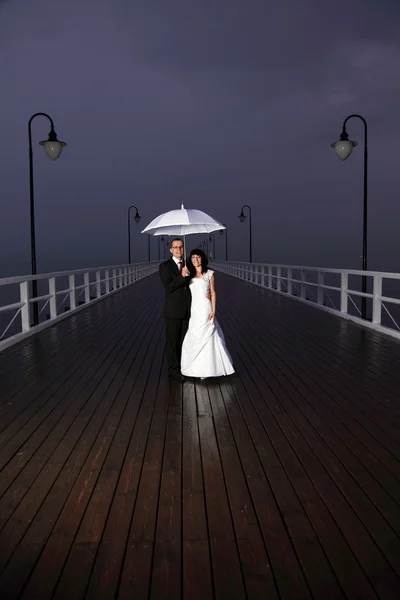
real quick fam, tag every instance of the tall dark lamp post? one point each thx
(226, 240)
(212, 239)
(136, 218)
(53, 148)
(242, 218)
(344, 148)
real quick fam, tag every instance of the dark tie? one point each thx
(180, 267)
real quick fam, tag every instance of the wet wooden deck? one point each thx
(282, 481)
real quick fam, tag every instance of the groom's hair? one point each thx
(175, 240)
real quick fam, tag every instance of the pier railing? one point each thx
(59, 294)
(334, 290)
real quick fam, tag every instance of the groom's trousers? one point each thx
(175, 330)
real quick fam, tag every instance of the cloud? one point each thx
(210, 101)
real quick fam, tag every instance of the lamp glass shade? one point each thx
(137, 218)
(344, 148)
(242, 218)
(53, 148)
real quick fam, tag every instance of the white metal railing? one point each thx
(310, 284)
(63, 290)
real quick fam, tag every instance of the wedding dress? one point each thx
(204, 352)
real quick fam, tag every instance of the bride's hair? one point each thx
(204, 261)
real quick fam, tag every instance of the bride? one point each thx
(204, 353)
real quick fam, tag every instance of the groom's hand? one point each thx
(185, 272)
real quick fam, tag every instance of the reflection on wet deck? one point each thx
(281, 481)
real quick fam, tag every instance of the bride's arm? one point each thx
(213, 299)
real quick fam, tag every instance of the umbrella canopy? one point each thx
(183, 222)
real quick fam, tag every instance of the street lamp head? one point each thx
(344, 146)
(53, 147)
(137, 217)
(242, 217)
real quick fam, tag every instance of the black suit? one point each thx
(176, 312)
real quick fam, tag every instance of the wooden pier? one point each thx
(279, 482)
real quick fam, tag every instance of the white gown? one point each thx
(204, 352)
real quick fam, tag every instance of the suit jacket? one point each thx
(177, 294)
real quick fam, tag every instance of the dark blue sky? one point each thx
(213, 104)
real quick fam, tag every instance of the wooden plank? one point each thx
(261, 374)
(286, 567)
(84, 390)
(31, 401)
(274, 452)
(353, 355)
(98, 421)
(166, 573)
(83, 516)
(64, 338)
(114, 547)
(226, 569)
(280, 481)
(194, 521)
(135, 581)
(32, 445)
(252, 554)
(196, 569)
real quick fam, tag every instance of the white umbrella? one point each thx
(183, 222)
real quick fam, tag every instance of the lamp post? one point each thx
(53, 148)
(226, 240)
(212, 239)
(344, 148)
(242, 218)
(136, 218)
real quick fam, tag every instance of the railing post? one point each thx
(263, 275)
(86, 282)
(125, 275)
(114, 279)
(107, 282)
(98, 284)
(278, 279)
(24, 297)
(320, 289)
(377, 300)
(303, 284)
(269, 276)
(344, 289)
(53, 298)
(72, 293)
(289, 281)
(120, 277)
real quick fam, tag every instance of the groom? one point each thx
(175, 278)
